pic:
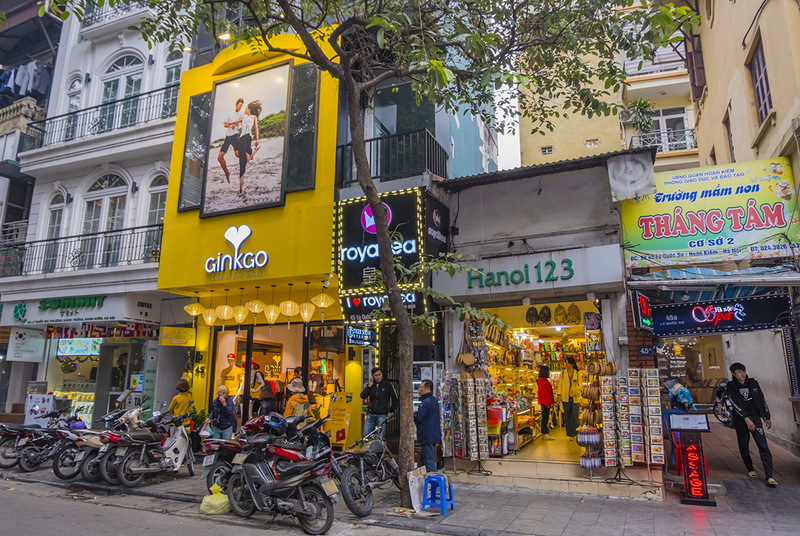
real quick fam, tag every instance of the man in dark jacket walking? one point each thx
(429, 431)
(383, 401)
(749, 409)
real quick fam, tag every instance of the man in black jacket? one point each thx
(382, 401)
(749, 409)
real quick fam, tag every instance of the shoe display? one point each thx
(752, 474)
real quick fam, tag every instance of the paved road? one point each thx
(42, 509)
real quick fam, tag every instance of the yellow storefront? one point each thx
(256, 231)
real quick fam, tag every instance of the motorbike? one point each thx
(282, 480)
(107, 457)
(13, 437)
(90, 454)
(218, 461)
(723, 410)
(369, 465)
(41, 444)
(160, 452)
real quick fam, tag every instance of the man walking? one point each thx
(749, 409)
(427, 419)
(232, 124)
(383, 401)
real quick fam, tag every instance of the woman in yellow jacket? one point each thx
(569, 392)
(180, 402)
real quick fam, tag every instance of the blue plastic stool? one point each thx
(440, 484)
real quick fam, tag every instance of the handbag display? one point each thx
(465, 357)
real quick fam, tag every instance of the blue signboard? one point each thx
(741, 314)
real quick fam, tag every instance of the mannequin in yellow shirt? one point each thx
(232, 377)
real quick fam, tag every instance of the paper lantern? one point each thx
(307, 311)
(210, 316)
(240, 313)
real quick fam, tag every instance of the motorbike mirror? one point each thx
(145, 398)
(156, 413)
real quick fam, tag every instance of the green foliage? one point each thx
(639, 115)
(272, 125)
(198, 417)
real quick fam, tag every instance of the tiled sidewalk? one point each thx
(745, 505)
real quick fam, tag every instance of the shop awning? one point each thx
(693, 277)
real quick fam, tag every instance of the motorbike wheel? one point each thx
(64, 465)
(239, 496)
(108, 466)
(722, 414)
(90, 468)
(8, 452)
(357, 497)
(30, 459)
(320, 522)
(220, 474)
(190, 462)
(126, 476)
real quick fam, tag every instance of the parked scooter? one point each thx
(14, 436)
(41, 444)
(90, 454)
(160, 452)
(280, 480)
(218, 461)
(723, 410)
(108, 458)
(369, 465)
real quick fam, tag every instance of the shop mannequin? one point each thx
(256, 385)
(232, 377)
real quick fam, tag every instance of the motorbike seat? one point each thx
(357, 451)
(15, 427)
(147, 437)
(290, 469)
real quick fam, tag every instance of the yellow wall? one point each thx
(297, 236)
(729, 85)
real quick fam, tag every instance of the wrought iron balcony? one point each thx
(395, 157)
(97, 14)
(115, 115)
(137, 245)
(667, 140)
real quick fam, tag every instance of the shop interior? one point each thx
(277, 350)
(696, 361)
(542, 334)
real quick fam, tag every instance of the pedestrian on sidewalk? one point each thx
(429, 431)
(545, 396)
(223, 414)
(383, 401)
(749, 409)
(569, 392)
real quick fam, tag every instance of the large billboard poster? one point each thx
(746, 210)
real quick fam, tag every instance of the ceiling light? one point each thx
(194, 308)
(210, 314)
(225, 311)
(255, 306)
(306, 308)
(288, 307)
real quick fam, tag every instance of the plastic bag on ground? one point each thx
(216, 503)
(416, 486)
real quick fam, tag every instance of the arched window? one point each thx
(158, 201)
(122, 81)
(73, 105)
(55, 216)
(173, 78)
(104, 211)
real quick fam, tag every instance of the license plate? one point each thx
(104, 449)
(21, 441)
(79, 456)
(239, 458)
(121, 451)
(330, 487)
(209, 460)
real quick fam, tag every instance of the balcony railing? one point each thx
(115, 115)
(395, 157)
(97, 14)
(137, 245)
(666, 141)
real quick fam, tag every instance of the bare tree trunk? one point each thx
(399, 311)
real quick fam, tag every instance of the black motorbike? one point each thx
(366, 465)
(723, 410)
(284, 480)
(42, 444)
(13, 437)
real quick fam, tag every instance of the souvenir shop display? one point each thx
(647, 440)
(611, 424)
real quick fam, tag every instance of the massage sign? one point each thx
(739, 211)
(744, 314)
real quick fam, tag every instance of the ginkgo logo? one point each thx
(240, 260)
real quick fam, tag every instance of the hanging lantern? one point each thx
(194, 308)
(323, 301)
(272, 311)
(240, 312)
(306, 308)
(210, 314)
(288, 307)
(225, 311)
(255, 306)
